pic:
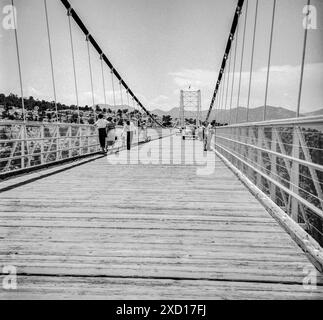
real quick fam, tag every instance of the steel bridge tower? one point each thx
(190, 101)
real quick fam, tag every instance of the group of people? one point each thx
(204, 133)
(207, 129)
(108, 135)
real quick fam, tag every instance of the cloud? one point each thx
(31, 91)
(283, 85)
(160, 101)
(196, 78)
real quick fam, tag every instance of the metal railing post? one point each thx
(69, 139)
(23, 143)
(42, 149)
(294, 176)
(273, 165)
(57, 142)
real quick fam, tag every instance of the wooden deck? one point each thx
(143, 231)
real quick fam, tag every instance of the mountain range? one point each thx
(255, 114)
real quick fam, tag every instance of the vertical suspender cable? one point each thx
(18, 60)
(103, 82)
(51, 58)
(128, 102)
(96, 47)
(73, 59)
(252, 56)
(303, 64)
(234, 69)
(90, 68)
(113, 90)
(120, 86)
(269, 57)
(223, 91)
(241, 62)
(216, 107)
(227, 90)
(128, 98)
(218, 104)
(220, 99)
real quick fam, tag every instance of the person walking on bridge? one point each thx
(128, 131)
(208, 137)
(101, 124)
(111, 133)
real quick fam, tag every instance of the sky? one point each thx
(162, 46)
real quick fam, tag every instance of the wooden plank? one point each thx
(103, 223)
(127, 288)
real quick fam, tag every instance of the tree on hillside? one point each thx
(167, 120)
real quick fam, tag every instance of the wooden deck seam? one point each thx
(105, 276)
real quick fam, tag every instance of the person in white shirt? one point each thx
(128, 131)
(101, 124)
(207, 137)
(111, 133)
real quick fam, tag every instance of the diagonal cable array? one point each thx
(104, 58)
(226, 54)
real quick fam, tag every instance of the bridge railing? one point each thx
(284, 159)
(24, 145)
(31, 144)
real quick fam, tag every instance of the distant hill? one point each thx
(315, 113)
(107, 106)
(255, 114)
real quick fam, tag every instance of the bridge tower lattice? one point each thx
(190, 101)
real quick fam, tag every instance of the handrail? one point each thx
(36, 144)
(39, 124)
(300, 120)
(300, 161)
(280, 163)
(293, 194)
(33, 144)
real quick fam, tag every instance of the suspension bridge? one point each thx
(166, 219)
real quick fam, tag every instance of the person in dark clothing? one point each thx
(111, 133)
(102, 128)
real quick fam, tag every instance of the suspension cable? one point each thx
(227, 51)
(241, 62)
(103, 81)
(73, 59)
(95, 45)
(303, 63)
(252, 57)
(234, 69)
(269, 58)
(18, 61)
(51, 58)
